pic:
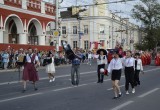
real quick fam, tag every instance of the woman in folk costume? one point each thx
(129, 64)
(50, 68)
(138, 68)
(29, 72)
(101, 62)
(115, 67)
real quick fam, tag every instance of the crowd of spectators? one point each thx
(9, 57)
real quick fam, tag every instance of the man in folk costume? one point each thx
(101, 61)
(30, 73)
(115, 67)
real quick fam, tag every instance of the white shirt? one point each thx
(102, 60)
(115, 64)
(89, 55)
(28, 58)
(128, 62)
(139, 65)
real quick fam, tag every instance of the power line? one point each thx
(121, 1)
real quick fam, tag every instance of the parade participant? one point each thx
(75, 68)
(138, 68)
(115, 67)
(129, 63)
(30, 73)
(101, 61)
(89, 57)
(50, 68)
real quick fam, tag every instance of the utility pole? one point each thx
(57, 26)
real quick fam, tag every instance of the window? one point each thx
(63, 29)
(101, 29)
(86, 45)
(74, 29)
(74, 44)
(85, 29)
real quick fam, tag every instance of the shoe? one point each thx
(53, 79)
(23, 91)
(98, 81)
(35, 89)
(120, 95)
(50, 80)
(115, 98)
(127, 92)
(133, 90)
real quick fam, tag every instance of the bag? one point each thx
(104, 71)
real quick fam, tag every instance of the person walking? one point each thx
(101, 62)
(138, 68)
(29, 72)
(115, 68)
(50, 67)
(129, 64)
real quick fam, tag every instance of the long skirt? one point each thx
(30, 73)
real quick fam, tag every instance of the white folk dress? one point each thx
(50, 68)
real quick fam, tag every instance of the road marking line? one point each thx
(13, 82)
(112, 88)
(81, 85)
(147, 93)
(84, 73)
(55, 90)
(20, 97)
(122, 105)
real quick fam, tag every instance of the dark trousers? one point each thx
(75, 75)
(129, 76)
(100, 76)
(136, 77)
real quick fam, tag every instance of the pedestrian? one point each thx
(89, 58)
(115, 67)
(29, 72)
(50, 68)
(5, 57)
(129, 64)
(101, 62)
(138, 68)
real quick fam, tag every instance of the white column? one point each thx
(5, 37)
(24, 4)
(23, 38)
(1, 36)
(41, 40)
(1, 1)
(42, 7)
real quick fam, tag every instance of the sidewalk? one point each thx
(41, 67)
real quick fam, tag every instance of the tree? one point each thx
(148, 13)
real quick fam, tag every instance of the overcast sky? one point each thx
(124, 8)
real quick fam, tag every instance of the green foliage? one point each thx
(148, 13)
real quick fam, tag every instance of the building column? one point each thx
(5, 37)
(24, 4)
(41, 40)
(23, 38)
(1, 1)
(1, 36)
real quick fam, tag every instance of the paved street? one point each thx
(61, 95)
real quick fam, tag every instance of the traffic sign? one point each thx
(56, 33)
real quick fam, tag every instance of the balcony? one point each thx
(32, 5)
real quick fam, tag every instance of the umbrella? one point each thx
(104, 51)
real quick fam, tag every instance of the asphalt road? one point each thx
(61, 95)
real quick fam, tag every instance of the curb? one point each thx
(42, 67)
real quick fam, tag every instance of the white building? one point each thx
(97, 28)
